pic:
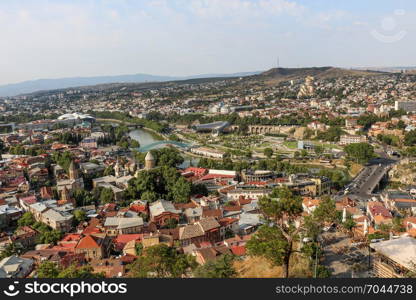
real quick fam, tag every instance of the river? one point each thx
(146, 138)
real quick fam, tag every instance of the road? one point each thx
(364, 184)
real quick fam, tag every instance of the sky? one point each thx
(70, 38)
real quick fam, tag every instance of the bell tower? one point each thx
(73, 171)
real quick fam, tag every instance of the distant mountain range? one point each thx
(271, 76)
(31, 86)
(389, 69)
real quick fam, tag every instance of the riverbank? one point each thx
(158, 135)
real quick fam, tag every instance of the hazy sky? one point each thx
(66, 38)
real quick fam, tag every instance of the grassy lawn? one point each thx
(291, 145)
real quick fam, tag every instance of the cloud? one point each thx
(244, 8)
(329, 16)
(113, 14)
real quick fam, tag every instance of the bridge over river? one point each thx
(161, 144)
(149, 141)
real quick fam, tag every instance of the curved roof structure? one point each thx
(75, 116)
(218, 126)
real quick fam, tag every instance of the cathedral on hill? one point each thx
(307, 89)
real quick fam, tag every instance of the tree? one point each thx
(109, 171)
(27, 219)
(199, 189)
(79, 216)
(134, 144)
(139, 249)
(303, 153)
(398, 224)
(268, 152)
(83, 197)
(163, 182)
(222, 267)
(268, 242)
(360, 152)
(349, 223)
(63, 159)
(319, 150)
(181, 191)
(377, 235)
(410, 138)
(410, 152)
(50, 237)
(401, 124)
(11, 249)
(106, 195)
(149, 196)
(48, 269)
(85, 272)
(162, 261)
(282, 211)
(323, 272)
(169, 157)
(326, 211)
(47, 234)
(249, 154)
(333, 134)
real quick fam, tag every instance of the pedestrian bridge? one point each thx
(161, 144)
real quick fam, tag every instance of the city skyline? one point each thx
(62, 39)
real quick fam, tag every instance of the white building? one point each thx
(352, 139)
(208, 152)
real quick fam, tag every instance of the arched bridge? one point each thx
(263, 129)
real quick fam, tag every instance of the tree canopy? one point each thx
(163, 182)
(27, 219)
(222, 267)
(49, 269)
(162, 261)
(360, 152)
(274, 240)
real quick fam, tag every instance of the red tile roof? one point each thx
(197, 171)
(128, 258)
(91, 230)
(71, 237)
(29, 199)
(138, 208)
(227, 221)
(122, 239)
(214, 176)
(87, 242)
(238, 250)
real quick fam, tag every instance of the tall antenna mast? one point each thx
(278, 62)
